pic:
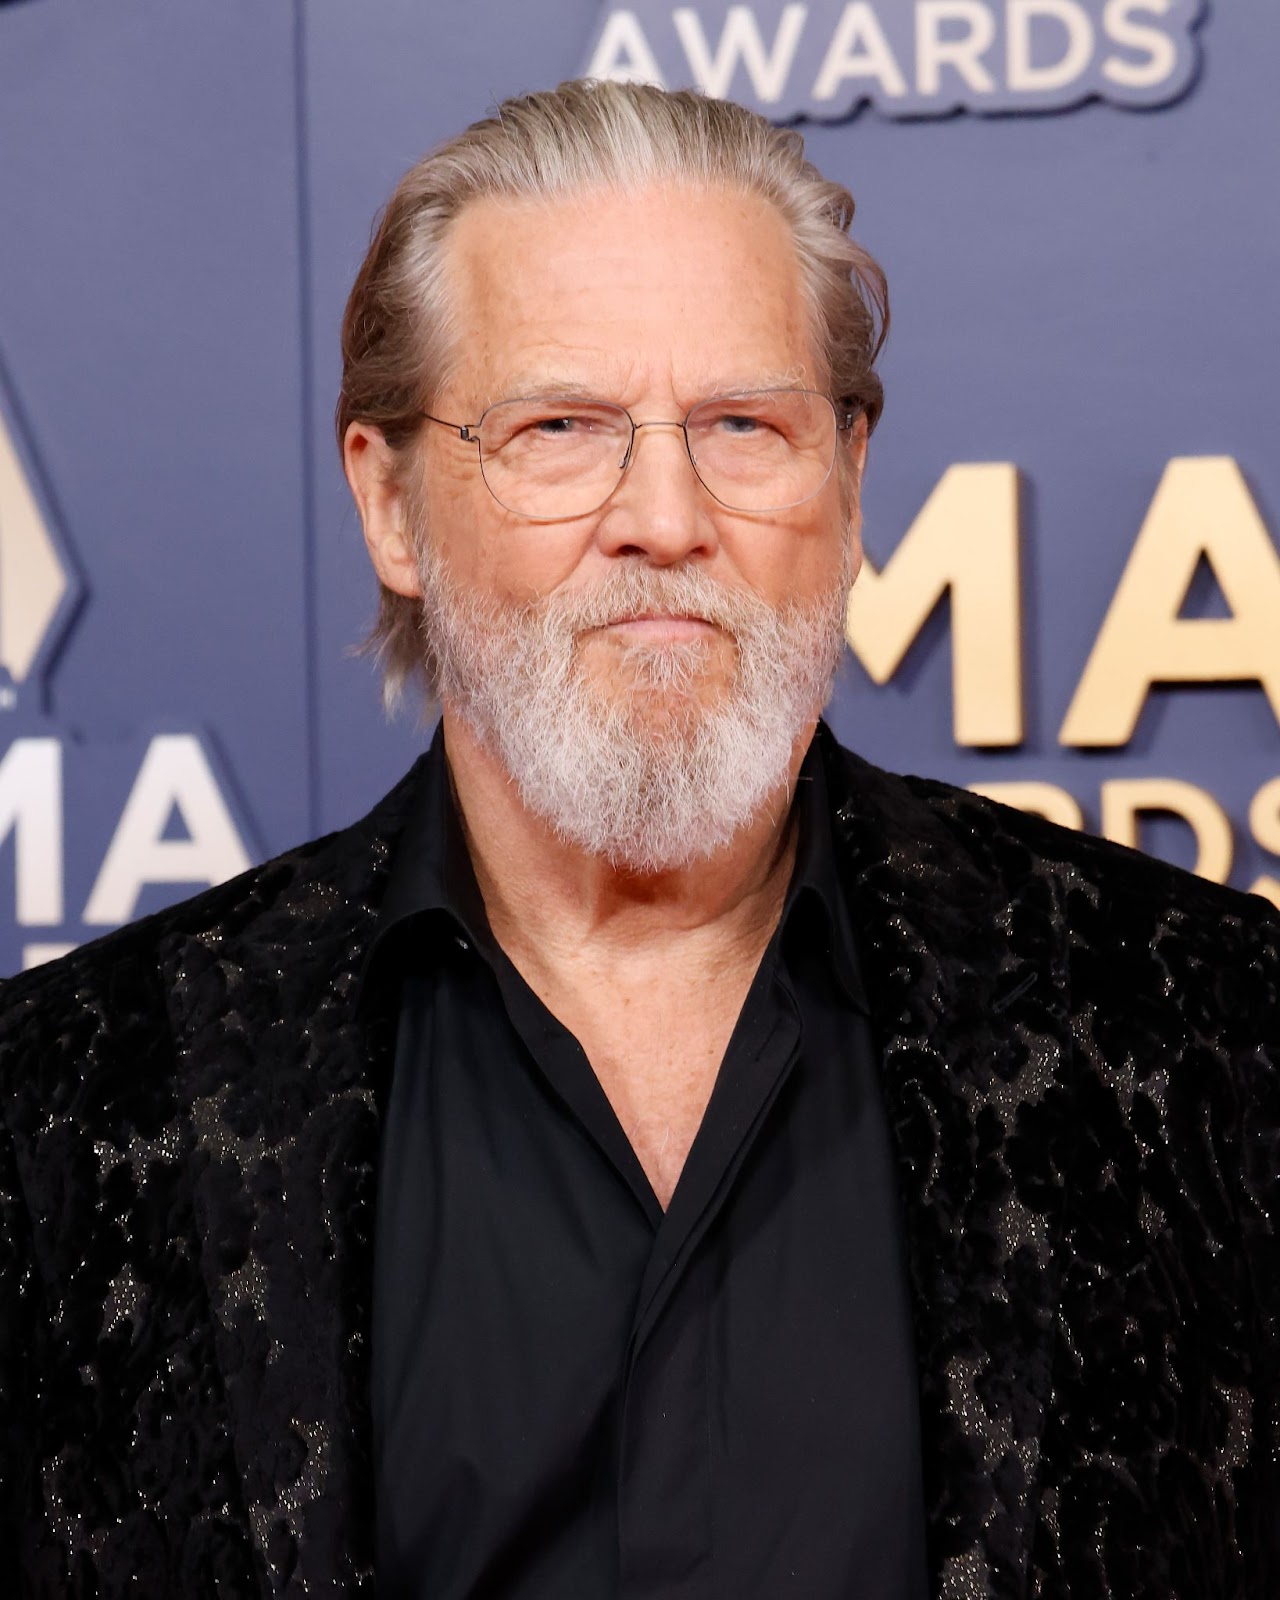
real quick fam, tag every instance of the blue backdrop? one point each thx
(1084, 289)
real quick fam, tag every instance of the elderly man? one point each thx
(654, 1154)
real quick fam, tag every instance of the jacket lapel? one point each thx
(284, 1081)
(967, 989)
(967, 986)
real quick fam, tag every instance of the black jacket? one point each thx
(1080, 1051)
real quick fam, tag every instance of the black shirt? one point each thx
(577, 1396)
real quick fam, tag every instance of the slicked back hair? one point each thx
(397, 345)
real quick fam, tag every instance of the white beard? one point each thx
(644, 775)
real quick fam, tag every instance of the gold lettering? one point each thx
(1264, 823)
(1202, 508)
(965, 541)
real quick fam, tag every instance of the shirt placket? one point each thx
(664, 1478)
(665, 1488)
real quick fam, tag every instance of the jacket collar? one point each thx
(285, 1078)
(432, 895)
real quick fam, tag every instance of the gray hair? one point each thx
(396, 344)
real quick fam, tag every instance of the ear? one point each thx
(371, 466)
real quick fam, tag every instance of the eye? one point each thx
(736, 422)
(560, 424)
(558, 428)
(751, 417)
(540, 428)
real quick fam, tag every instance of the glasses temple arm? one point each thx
(464, 430)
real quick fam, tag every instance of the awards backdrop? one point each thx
(1072, 596)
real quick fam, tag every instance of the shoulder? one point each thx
(1103, 894)
(117, 984)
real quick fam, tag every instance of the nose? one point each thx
(660, 509)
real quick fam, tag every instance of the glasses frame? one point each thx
(845, 413)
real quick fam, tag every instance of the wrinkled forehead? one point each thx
(676, 290)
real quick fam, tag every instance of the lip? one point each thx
(660, 628)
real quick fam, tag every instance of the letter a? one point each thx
(174, 772)
(858, 51)
(1202, 508)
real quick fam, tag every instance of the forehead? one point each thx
(679, 290)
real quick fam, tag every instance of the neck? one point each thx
(546, 898)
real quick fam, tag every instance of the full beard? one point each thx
(662, 768)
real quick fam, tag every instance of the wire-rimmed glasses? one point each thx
(763, 450)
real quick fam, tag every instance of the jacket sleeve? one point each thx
(19, 1371)
(1259, 1220)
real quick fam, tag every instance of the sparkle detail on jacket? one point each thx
(1081, 1062)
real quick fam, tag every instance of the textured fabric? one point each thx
(1080, 1051)
(577, 1396)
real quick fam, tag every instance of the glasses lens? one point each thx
(764, 451)
(555, 458)
(760, 451)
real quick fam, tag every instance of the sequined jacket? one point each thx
(1080, 1051)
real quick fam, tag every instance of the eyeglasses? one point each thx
(761, 451)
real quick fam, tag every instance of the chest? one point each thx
(647, 1386)
(656, 1057)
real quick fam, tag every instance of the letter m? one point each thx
(964, 543)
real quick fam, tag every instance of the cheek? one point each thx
(842, 529)
(488, 549)
(805, 560)
(463, 521)
(855, 550)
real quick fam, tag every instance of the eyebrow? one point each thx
(567, 389)
(548, 391)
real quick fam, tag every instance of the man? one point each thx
(654, 1153)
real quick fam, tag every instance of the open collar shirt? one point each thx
(577, 1395)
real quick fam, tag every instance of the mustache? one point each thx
(627, 592)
